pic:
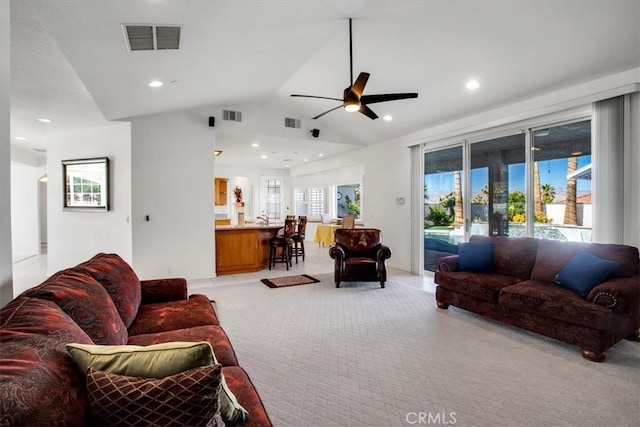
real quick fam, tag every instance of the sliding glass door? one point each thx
(533, 183)
(498, 188)
(443, 204)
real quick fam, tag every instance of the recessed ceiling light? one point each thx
(287, 165)
(387, 118)
(473, 84)
(255, 145)
(155, 83)
(20, 138)
(45, 120)
(264, 156)
(320, 155)
(306, 160)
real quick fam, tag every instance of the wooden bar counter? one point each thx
(243, 249)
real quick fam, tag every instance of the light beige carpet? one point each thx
(361, 355)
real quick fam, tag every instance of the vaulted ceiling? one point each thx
(70, 62)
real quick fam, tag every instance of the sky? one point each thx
(552, 172)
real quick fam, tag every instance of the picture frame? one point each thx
(86, 184)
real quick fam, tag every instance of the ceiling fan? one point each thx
(352, 97)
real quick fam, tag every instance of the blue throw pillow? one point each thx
(475, 256)
(584, 272)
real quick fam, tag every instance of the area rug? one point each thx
(281, 282)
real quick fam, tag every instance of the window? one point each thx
(528, 183)
(310, 202)
(273, 205)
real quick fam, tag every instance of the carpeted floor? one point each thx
(365, 356)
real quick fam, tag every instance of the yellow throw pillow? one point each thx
(156, 361)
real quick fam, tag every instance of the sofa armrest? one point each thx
(619, 294)
(448, 263)
(383, 253)
(337, 253)
(163, 290)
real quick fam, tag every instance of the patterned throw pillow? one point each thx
(189, 398)
(156, 361)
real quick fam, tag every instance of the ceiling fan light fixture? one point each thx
(352, 106)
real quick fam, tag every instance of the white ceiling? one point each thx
(69, 62)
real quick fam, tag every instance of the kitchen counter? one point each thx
(243, 249)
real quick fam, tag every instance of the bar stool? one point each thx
(298, 238)
(283, 241)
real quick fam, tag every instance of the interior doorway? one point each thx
(42, 213)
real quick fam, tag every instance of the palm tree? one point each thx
(548, 193)
(570, 210)
(459, 217)
(536, 186)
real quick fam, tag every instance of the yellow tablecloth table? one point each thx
(325, 233)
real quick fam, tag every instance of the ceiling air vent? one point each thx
(232, 116)
(291, 123)
(152, 37)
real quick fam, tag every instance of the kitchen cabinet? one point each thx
(220, 191)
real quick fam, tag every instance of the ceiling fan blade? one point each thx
(358, 86)
(320, 97)
(368, 112)
(326, 112)
(372, 99)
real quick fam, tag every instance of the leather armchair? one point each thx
(359, 256)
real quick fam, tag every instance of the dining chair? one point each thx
(348, 221)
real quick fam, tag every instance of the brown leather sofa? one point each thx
(520, 289)
(359, 256)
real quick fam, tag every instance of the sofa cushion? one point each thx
(87, 303)
(213, 334)
(39, 383)
(475, 256)
(168, 316)
(556, 302)
(514, 256)
(156, 361)
(119, 279)
(484, 286)
(554, 255)
(584, 272)
(189, 398)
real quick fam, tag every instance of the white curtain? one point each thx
(417, 209)
(608, 171)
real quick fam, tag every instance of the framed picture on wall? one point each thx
(86, 184)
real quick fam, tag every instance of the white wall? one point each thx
(75, 236)
(26, 171)
(6, 269)
(384, 170)
(172, 183)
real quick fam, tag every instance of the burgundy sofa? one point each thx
(520, 290)
(100, 301)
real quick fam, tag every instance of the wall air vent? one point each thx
(232, 116)
(291, 123)
(152, 37)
